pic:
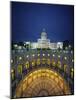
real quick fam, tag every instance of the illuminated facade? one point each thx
(43, 42)
(42, 72)
(34, 71)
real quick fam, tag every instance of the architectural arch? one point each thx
(42, 82)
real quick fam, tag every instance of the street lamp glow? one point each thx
(48, 54)
(33, 55)
(65, 58)
(27, 56)
(53, 55)
(58, 56)
(43, 54)
(20, 58)
(11, 60)
(72, 60)
(69, 46)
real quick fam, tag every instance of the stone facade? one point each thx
(44, 42)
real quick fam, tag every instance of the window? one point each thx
(43, 60)
(38, 61)
(48, 61)
(72, 72)
(59, 64)
(27, 64)
(20, 69)
(33, 63)
(12, 74)
(53, 62)
(65, 67)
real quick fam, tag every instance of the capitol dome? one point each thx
(43, 35)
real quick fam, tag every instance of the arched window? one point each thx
(65, 67)
(48, 61)
(33, 62)
(38, 61)
(27, 64)
(20, 69)
(13, 74)
(53, 62)
(43, 60)
(59, 64)
(72, 73)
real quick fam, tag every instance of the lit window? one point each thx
(65, 66)
(33, 63)
(54, 63)
(59, 64)
(12, 74)
(15, 45)
(20, 69)
(27, 64)
(19, 47)
(38, 61)
(72, 69)
(43, 61)
(48, 61)
(72, 73)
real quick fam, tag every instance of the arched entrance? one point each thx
(42, 82)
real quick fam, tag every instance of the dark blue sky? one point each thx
(29, 19)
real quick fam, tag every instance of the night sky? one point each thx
(29, 19)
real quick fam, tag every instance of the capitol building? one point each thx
(44, 42)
